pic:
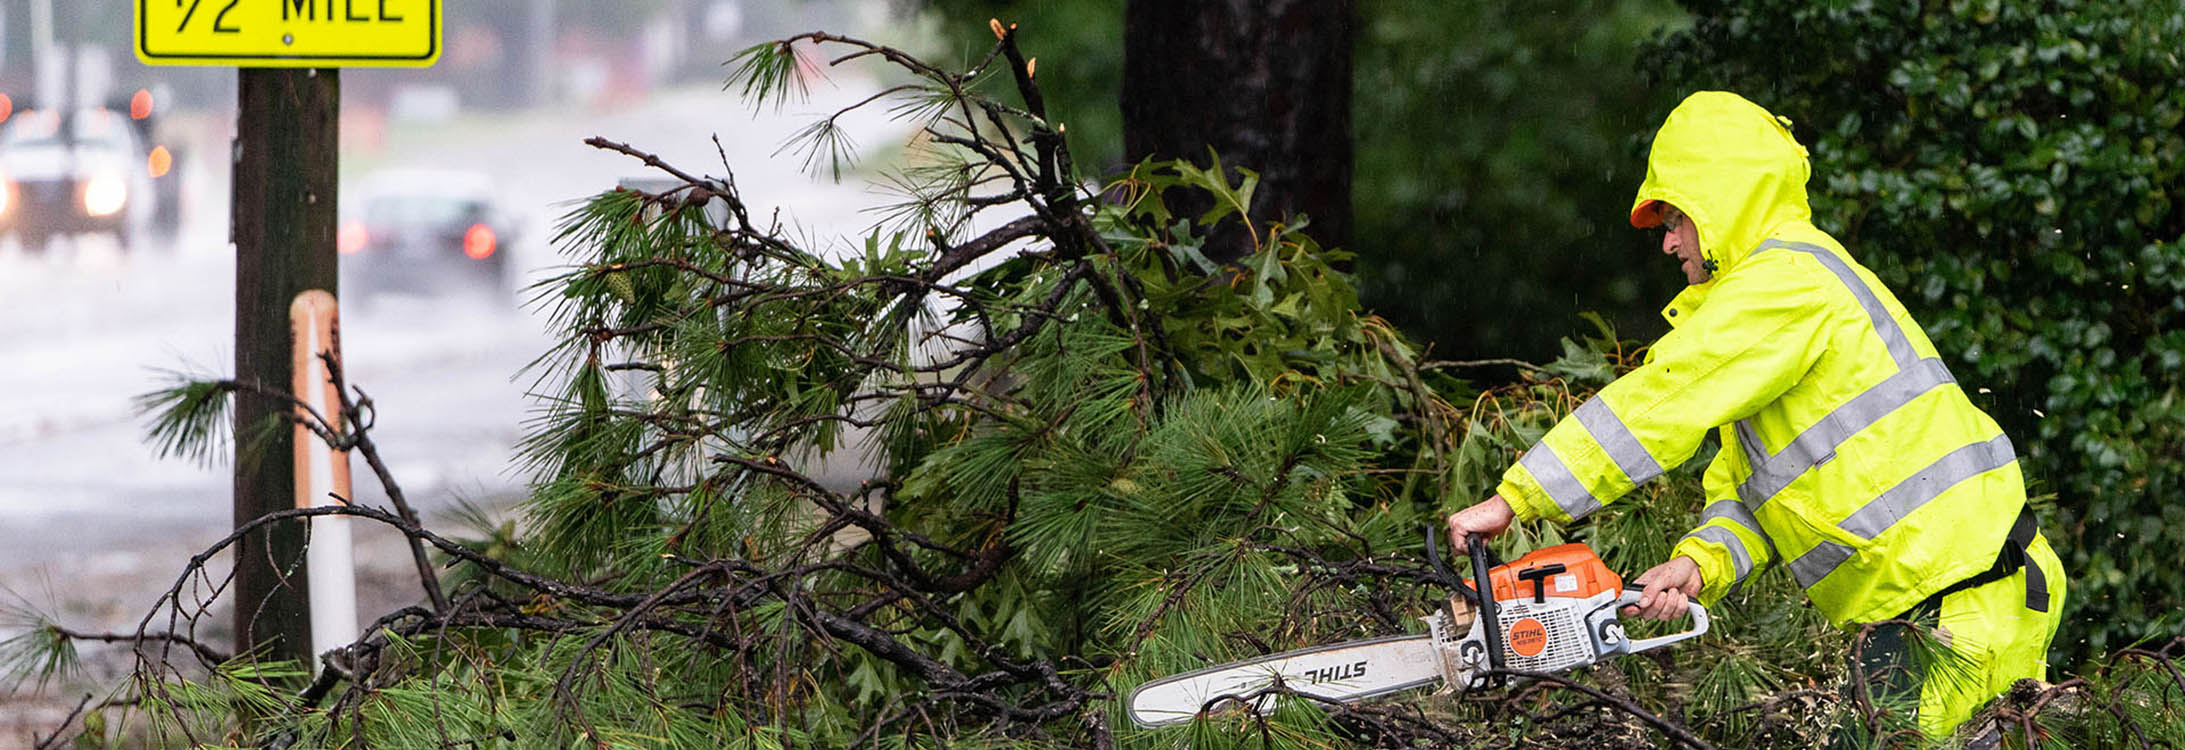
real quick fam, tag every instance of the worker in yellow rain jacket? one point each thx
(1849, 452)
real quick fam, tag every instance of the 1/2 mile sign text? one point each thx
(288, 33)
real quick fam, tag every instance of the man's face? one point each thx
(1681, 239)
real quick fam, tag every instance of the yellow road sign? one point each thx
(288, 33)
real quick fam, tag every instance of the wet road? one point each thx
(92, 520)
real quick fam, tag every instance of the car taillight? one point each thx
(478, 242)
(159, 161)
(140, 105)
(352, 237)
(7, 107)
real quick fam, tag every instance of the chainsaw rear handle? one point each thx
(1631, 596)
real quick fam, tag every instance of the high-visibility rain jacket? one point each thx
(1849, 452)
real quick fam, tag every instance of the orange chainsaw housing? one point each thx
(1582, 575)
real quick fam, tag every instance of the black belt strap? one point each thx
(2008, 561)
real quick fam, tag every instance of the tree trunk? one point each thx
(1265, 83)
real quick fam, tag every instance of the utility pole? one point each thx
(286, 146)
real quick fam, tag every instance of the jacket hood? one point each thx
(1732, 167)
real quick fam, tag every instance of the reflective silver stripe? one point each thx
(1561, 485)
(1756, 457)
(1818, 443)
(1959, 465)
(1756, 452)
(1734, 512)
(1616, 438)
(1884, 511)
(1739, 556)
(1818, 562)
(1900, 346)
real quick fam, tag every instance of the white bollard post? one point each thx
(321, 473)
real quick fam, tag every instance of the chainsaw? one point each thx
(1553, 610)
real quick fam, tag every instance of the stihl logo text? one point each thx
(1335, 673)
(1528, 637)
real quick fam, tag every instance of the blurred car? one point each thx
(424, 231)
(72, 172)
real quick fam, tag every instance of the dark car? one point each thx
(82, 171)
(423, 231)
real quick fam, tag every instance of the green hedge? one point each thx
(2016, 172)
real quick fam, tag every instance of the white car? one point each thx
(84, 172)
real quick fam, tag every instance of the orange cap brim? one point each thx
(1647, 215)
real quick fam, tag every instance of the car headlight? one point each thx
(105, 195)
(7, 194)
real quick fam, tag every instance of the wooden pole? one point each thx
(283, 226)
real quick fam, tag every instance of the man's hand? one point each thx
(1668, 586)
(1486, 519)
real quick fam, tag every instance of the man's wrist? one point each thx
(1698, 579)
(1500, 505)
(1707, 565)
